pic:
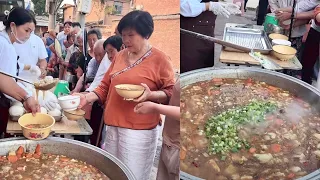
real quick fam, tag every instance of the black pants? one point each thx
(310, 55)
(245, 4)
(262, 11)
(94, 122)
(83, 138)
(4, 114)
(197, 53)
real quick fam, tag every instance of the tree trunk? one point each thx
(52, 21)
(81, 19)
(52, 16)
(107, 19)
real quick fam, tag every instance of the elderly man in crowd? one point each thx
(51, 37)
(99, 53)
(76, 28)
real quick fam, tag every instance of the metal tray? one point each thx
(247, 37)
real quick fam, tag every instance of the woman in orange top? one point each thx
(132, 137)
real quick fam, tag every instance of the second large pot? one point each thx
(105, 162)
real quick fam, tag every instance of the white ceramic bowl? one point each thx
(281, 42)
(69, 103)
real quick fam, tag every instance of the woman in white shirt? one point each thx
(18, 26)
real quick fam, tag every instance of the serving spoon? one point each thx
(36, 85)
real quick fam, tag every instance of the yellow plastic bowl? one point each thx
(75, 114)
(129, 91)
(36, 134)
(283, 52)
(278, 36)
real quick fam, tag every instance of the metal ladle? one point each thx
(36, 85)
(221, 42)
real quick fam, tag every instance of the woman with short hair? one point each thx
(133, 137)
(112, 46)
(93, 36)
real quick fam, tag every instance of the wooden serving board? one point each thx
(230, 57)
(65, 126)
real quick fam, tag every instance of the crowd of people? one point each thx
(304, 34)
(131, 128)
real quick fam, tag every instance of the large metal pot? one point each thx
(97, 157)
(296, 86)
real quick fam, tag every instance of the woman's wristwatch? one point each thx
(26, 97)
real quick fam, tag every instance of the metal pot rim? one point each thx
(252, 69)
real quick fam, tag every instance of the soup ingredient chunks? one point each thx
(278, 132)
(36, 126)
(37, 165)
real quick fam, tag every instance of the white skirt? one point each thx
(135, 148)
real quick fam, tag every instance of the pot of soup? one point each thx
(58, 158)
(248, 123)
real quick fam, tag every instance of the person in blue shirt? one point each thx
(47, 48)
(50, 39)
(49, 53)
(45, 34)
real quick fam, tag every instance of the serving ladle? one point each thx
(37, 86)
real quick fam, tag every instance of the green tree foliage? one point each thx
(39, 7)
